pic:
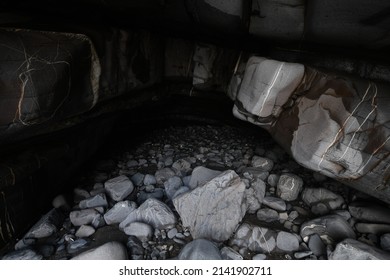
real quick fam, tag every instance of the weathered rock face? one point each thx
(336, 126)
(212, 211)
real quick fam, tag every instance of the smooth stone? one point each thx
(80, 194)
(149, 180)
(228, 253)
(158, 194)
(259, 257)
(119, 188)
(85, 231)
(137, 179)
(351, 249)
(109, 251)
(163, 175)
(331, 229)
(46, 226)
(200, 249)
(256, 173)
(267, 215)
(60, 202)
(77, 245)
(275, 203)
(152, 212)
(24, 254)
(370, 212)
(119, 212)
(201, 175)
(142, 231)
(262, 163)
(94, 201)
(385, 241)
(172, 185)
(343, 213)
(83, 217)
(289, 186)
(301, 255)
(316, 245)
(287, 242)
(321, 200)
(186, 180)
(273, 180)
(257, 239)
(213, 210)
(376, 229)
(172, 233)
(132, 163)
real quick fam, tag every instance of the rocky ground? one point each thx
(207, 192)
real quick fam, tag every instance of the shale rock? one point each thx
(213, 210)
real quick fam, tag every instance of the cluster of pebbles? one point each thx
(208, 192)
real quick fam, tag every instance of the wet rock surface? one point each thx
(207, 192)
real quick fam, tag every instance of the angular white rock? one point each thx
(85, 231)
(109, 251)
(152, 212)
(213, 210)
(119, 188)
(94, 201)
(83, 217)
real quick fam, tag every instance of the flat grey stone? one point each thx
(149, 180)
(142, 231)
(24, 254)
(213, 210)
(186, 180)
(94, 201)
(287, 242)
(119, 212)
(119, 188)
(172, 185)
(275, 203)
(257, 239)
(83, 217)
(200, 175)
(273, 180)
(138, 179)
(158, 194)
(376, 229)
(262, 163)
(316, 245)
(370, 212)
(228, 253)
(289, 186)
(172, 233)
(259, 257)
(46, 226)
(109, 251)
(85, 231)
(301, 255)
(267, 215)
(385, 241)
(200, 249)
(331, 229)
(163, 175)
(351, 249)
(152, 212)
(321, 200)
